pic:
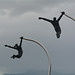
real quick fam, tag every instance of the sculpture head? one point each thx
(54, 18)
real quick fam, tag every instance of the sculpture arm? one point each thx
(9, 46)
(62, 13)
(21, 41)
(45, 19)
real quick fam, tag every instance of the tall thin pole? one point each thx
(49, 71)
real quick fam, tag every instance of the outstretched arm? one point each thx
(21, 41)
(62, 13)
(44, 19)
(9, 46)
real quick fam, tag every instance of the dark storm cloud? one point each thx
(34, 5)
(16, 7)
(62, 51)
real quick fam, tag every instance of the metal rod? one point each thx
(69, 17)
(49, 71)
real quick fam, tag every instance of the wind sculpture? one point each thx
(20, 52)
(19, 48)
(55, 23)
(49, 71)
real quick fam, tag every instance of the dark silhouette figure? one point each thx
(55, 23)
(18, 48)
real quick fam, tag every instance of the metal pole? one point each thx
(69, 17)
(49, 71)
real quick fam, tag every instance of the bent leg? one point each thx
(13, 56)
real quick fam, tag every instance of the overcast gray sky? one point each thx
(20, 18)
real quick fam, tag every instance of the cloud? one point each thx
(17, 7)
(27, 24)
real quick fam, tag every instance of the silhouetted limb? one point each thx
(15, 47)
(44, 19)
(62, 13)
(15, 56)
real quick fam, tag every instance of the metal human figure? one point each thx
(18, 48)
(55, 23)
